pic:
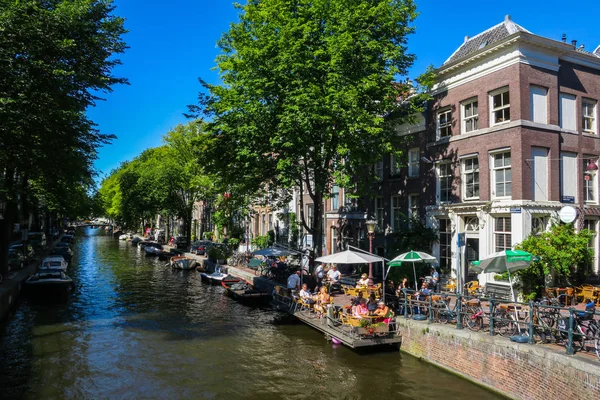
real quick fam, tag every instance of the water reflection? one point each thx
(135, 329)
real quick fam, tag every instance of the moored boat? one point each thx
(217, 277)
(182, 262)
(153, 249)
(244, 292)
(55, 262)
(52, 280)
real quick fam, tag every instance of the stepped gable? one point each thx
(492, 35)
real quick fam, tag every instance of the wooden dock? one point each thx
(332, 327)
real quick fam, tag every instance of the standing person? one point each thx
(293, 282)
(435, 279)
(333, 275)
(319, 274)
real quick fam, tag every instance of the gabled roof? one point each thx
(492, 35)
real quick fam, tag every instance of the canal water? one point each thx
(135, 329)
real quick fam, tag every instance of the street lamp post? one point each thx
(371, 232)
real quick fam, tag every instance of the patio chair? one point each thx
(587, 293)
(472, 288)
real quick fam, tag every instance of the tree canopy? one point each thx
(309, 93)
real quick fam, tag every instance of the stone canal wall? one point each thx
(520, 371)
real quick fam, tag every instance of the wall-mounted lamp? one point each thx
(591, 167)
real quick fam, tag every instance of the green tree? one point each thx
(564, 255)
(309, 94)
(56, 58)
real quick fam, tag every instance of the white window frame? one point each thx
(439, 176)
(445, 257)
(493, 169)
(561, 110)
(592, 181)
(447, 125)
(593, 130)
(464, 173)
(532, 110)
(335, 196)
(414, 162)
(396, 208)
(502, 107)
(464, 118)
(502, 232)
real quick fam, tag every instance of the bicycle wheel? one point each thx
(504, 323)
(472, 318)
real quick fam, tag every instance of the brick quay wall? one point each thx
(520, 371)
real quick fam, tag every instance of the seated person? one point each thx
(293, 282)
(356, 300)
(372, 304)
(424, 292)
(363, 281)
(383, 311)
(305, 294)
(323, 299)
(361, 309)
(333, 275)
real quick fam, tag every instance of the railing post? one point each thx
(492, 307)
(459, 324)
(570, 349)
(405, 304)
(431, 308)
(531, 314)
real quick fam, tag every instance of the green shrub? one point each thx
(233, 244)
(261, 241)
(208, 235)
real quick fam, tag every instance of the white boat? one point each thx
(55, 262)
(49, 280)
(216, 277)
(182, 262)
(126, 236)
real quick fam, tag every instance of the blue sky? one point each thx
(173, 43)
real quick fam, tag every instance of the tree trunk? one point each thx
(318, 224)
(6, 224)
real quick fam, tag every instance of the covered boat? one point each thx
(153, 249)
(52, 280)
(55, 262)
(182, 262)
(244, 292)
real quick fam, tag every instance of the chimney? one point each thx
(581, 46)
(564, 38)
(466, 38)
(574, 43)
(507, 18)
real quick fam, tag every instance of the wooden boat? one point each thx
(244, 292)
(183, 262)
(52, 280)
(153, 249)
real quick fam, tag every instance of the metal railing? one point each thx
(533, 322)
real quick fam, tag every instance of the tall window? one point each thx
(413, 162)
(567, 112)
(413, 206)
(379, 170)
(310, 214)
(444, 123)
(270, 221)
(588, 109)
(591, 224)
(500, 101)
(379, 212)
(502, 175)
(335, 197)
(539, 224)
(589, 184)
(394, 166)
(502, 233)
(396, 213)
(568, 169)
(470, 178)
(470, 116)
(445, 244)
(538, 104)
(445, 181)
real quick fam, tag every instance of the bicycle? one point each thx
(585, 328)
(504, 320)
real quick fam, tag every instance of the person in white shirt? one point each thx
(363, 281)
(293, 282)
(333, 275)
(306, 295)
(319, 274)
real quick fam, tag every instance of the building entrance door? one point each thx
(471, 254)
